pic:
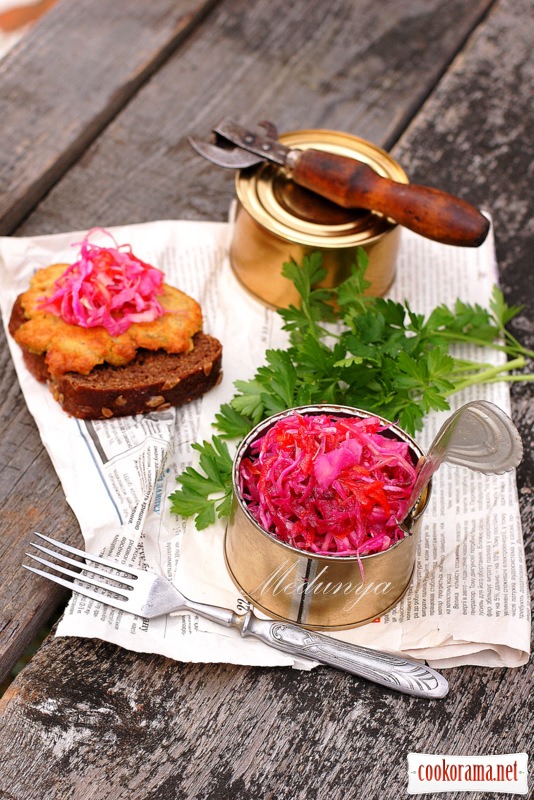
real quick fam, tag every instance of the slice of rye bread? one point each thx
(153, 381)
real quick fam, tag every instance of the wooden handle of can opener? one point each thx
(429, 212)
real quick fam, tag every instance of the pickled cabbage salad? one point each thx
(107, 286)
(329, 485)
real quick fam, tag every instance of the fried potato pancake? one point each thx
(71, 348)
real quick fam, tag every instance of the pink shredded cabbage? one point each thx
(106, 286)
(329, 485)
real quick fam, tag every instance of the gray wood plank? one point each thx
(89, 721)
(118, 724)
(355, 66)
(31, 498)
(58, 90)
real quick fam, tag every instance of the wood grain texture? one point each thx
(31, 498)
(57, 91)
(88, 720)
(359, 67)
(117, 724)
(426, 210)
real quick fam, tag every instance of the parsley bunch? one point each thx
(351, 349)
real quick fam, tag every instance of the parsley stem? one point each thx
(461, 366)
(514, 348)
(517, 346)
(494, 374)
(510, 378)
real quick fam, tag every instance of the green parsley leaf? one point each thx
(231, 424)
(203, 494)
(503, 312)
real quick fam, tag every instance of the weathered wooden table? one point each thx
(96, 104)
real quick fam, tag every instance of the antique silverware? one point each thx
(149, 595)
(350, 184)
(479, 436)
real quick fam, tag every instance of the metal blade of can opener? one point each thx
(235, 147)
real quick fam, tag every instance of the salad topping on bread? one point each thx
(97, 311)
(107, 286)
(111, 338)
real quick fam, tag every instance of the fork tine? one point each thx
(124, 582)
(78, 576)
(63, 546)
(72, 586)
(106, 562)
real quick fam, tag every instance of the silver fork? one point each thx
(149, 595)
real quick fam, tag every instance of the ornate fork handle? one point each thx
(395, 672)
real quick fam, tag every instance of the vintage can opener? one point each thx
(350, 184)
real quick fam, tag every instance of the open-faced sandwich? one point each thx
(111, 338)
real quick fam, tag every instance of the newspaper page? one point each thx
(468, 602)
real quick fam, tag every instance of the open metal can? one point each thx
(276, 221)
(317, 591)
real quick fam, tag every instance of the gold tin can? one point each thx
(316, 591)
(277, 220)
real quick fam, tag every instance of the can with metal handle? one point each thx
(317, 591)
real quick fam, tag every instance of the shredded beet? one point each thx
(330, 485)
(106, 286)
